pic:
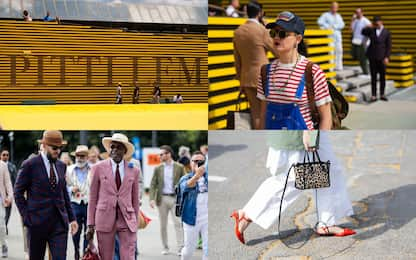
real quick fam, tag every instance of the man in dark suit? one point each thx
(378, 54)
(46, 210)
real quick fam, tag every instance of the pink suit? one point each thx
(107, 217)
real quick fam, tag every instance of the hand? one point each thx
(386, 61)
(7, 202)
(90, 233)
(200, 171)
(74, 227)
(152, 204)
(75, 189)
(306, 142)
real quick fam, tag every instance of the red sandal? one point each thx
(238, 234)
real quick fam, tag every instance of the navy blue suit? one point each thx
(379, 49)
(46, 212)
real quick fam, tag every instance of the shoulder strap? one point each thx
(311, 93)
(265, 70)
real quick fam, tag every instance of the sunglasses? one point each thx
(280, 33)
(56, 147)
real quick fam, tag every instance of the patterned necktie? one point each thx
(118, 178)
(52, 177)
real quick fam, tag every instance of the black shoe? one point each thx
(384, 98)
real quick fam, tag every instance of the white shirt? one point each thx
(48, 166)
(378, 31)
(120, 169)
(357, 26)
(168, 179)
(231, 11)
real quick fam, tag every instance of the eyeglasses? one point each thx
(280, 33)
(56, 147)
(5, 155)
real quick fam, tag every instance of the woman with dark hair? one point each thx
(282, 84)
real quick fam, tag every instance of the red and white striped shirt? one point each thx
(279, 93)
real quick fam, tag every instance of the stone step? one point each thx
(363, 94)
(343, 74)
(355, 82)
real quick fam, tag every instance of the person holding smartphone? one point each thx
(194, 189)
(285, 149)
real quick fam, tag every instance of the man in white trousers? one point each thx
(333, 21)
(194, 194)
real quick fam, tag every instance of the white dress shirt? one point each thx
(168, 178)
(120, 169)
(378, 31)
(48, 166)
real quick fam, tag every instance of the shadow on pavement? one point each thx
(216, 150)
(391, 209)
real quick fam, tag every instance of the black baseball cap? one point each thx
(289, 22)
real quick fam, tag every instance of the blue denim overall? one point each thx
(284, 116)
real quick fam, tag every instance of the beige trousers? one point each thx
(167, 205)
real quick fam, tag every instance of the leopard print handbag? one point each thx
(312, 174)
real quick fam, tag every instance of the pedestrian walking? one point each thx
(78, 180)
(46, 211)
(286, 148)
(113, 205)
(162, 194)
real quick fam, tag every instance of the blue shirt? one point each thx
(189, 197)
(81, 174)
(48, 19)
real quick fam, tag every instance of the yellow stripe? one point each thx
(221, 72)
(224, 85)
(98, 117)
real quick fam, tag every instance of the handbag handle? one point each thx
(315, 157)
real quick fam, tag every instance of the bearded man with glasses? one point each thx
(162, 193)
(46, 210)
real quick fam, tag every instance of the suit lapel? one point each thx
(43, 167)
(126, 176)
(162, 177)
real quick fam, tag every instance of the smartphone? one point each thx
(200, 163)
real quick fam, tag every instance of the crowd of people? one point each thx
(100, 195)
(276, 81)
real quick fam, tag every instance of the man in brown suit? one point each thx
(251, 43)
(162, 193)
